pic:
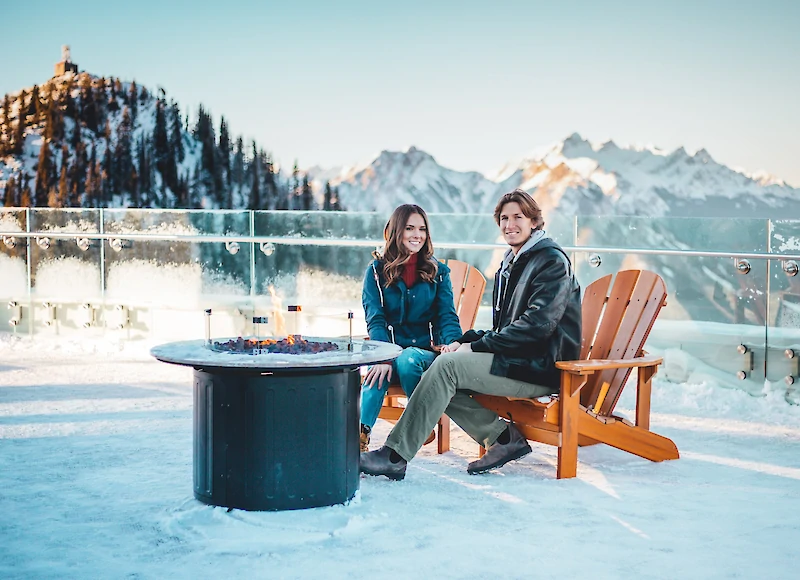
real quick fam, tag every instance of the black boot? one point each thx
(501, 453)
(384, 461)
(364, 440)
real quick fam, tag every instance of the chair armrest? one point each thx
(587, 367)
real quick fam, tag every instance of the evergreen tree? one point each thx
(225, 165)
(134, 187)
(295, 191)
(70, 109)
(133, 101)
(76, 137)
(107, 171)
(44, 171)
(100, 100)
(91, 188)
(88, 107)
(176, 135)
(270, 184)
(335, 203)
(54, 122)
(42, 104)
(254, 202)
(123, 158)
(34, 112)
(112, 105)
(25, 196)
(18, 139)
(6, 135)
(145, 183)
(326, 204)
(75, 175)
(306, 197)
(237, 168)
(62, 199)
(196, 188)
(11, 193)
(161, 142)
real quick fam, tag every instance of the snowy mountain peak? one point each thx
(573, 175)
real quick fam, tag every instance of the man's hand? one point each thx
(376, 375)
(452, 347)
(466, 347)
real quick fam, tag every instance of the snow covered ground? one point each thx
(96, 482)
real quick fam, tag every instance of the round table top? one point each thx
(195, 353)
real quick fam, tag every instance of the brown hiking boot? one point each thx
(365, 431)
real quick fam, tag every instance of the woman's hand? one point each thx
(466, 347)
(376, 375)
(452, 347)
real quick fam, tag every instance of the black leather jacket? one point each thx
(536, 317)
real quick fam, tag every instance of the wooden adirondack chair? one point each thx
(468, 284)
(615, 328)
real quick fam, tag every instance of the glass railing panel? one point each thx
(65, 273)
(178, 222)
(177, 273)
(13, 257)
(324, 281)
(327, 282)
(698, 234)
(783, 333)
(320, 224)
(445, 228)
(55, 260)
(711, 309)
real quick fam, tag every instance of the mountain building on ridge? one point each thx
(65, 65)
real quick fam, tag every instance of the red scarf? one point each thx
(410, 270)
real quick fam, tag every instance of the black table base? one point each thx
(276, 440)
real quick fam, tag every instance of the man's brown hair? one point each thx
(530, 209)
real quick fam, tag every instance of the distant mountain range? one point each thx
(574, 175)
(79, 140)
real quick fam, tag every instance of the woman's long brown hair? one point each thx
(395, 254)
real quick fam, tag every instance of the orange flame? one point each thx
(277, 315)
(290, 339)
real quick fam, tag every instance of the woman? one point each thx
(408, 300)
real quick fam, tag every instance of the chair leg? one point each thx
(643, 391)
(443, 434)
(569, 408)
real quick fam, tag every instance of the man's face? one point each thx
(516, 227)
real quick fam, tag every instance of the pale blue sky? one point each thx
(473, 83)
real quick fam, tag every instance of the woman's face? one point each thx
(415, 234)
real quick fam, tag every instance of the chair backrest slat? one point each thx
(468, 284)
(594, 299)
(471, 299)
(651, 306)
(633, 305)
(613, 312)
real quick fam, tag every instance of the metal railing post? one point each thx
(29, 256)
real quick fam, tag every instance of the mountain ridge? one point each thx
(574, 175)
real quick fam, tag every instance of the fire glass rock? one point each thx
(293, 344)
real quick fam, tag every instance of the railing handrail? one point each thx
(303, 240)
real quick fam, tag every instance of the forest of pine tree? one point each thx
(85, 141)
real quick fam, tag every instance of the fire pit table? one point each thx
(273, 430)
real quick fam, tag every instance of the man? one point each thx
(536, 322)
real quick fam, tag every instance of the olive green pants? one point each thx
(445, 388)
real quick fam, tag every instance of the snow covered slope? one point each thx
(575, 176)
